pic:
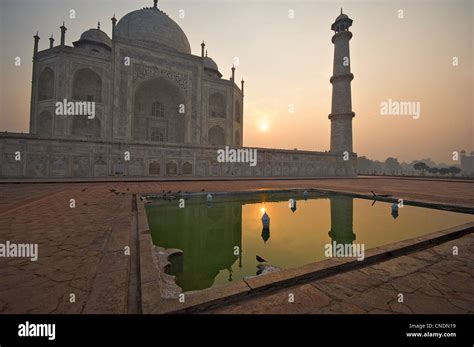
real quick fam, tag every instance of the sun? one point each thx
(262, 210)
(264, 126)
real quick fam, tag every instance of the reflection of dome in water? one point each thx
(208, 246)
(153, 25)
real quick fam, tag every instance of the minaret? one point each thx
(33, 83)
(63, 34)
(51, 41)
(203, 46)
(35, 46)
(233, 73)
(114, 21)
(341, 110)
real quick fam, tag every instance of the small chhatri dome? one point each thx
(94, 36)
(150, 24)
(211, 65)
(342, 16)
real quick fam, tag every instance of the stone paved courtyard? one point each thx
(81, 252)
(431, 281)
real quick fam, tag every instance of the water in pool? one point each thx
(220, 241)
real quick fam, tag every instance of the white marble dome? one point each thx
(153, 25)
(96, 36)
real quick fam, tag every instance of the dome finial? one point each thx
(206, 52)
(98, 25)
(155, 3)
(341, 10)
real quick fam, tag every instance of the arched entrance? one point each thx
(156, 112)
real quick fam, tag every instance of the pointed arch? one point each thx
(217, 106)
(44, 124)
(46, 84)
(87, 85)
(156, 111)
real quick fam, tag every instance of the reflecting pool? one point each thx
(221, 240)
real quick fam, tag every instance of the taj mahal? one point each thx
(159, 110)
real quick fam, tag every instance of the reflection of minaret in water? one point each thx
(341, 221)
(265, 234)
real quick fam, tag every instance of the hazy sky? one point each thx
(289, 62)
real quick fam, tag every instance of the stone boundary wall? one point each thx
(55, 158)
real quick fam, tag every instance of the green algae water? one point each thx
(220, 240)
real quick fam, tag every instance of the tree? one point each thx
(392, 165)
(364, 165)
(420, 166)
(444, 171)
(433, 170)
(454, 170)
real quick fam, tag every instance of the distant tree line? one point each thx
(391, 166)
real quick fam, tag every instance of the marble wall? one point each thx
(24, 155)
